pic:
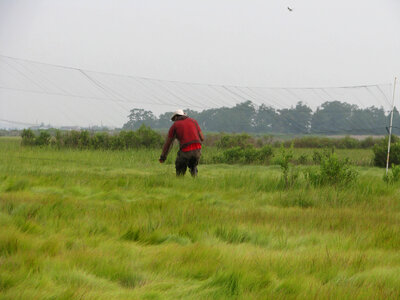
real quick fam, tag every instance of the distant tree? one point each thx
(138, 117)
(371, 120)
(240, 118)
(192, 113)
(208, 119)
(332, 118)
(396, 121)
(266, 119)
(295, 120)
(164, 120)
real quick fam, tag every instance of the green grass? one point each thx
(119, 225)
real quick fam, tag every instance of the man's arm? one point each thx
(167, 146)
(168, 142)
(201, 136)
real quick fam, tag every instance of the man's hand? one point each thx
(167, 146)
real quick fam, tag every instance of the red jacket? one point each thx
(187, 131)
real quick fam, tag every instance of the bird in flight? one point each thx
(290, 9)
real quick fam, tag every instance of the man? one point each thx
(189, 135)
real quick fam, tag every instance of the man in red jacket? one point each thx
(189, 135)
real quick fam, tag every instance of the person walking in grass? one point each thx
(187, 131)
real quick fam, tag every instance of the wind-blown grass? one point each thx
(119, 225)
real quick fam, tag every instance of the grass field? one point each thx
(119, 225)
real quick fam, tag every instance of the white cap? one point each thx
(178, 112)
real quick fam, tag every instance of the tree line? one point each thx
(330, 118)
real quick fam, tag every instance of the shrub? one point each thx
(234, 140)
(248, 155)
(148, 137)
(346, 142)
(71, 139)
(393, 176)
(233, 155)
(395, 173)
(368, 142)
(318, 156)
(84, 139)
(265, 154)
(100, 141)
(143, 137)
(130, 138)
(310, 142)
(380, 152)
(117, 142)
(58, 141)
(43, 139)
(332, 171)
(28, 137)
(289, 176)
(302, 159)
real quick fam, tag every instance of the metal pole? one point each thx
(391, 126)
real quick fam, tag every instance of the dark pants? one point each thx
(187, 159)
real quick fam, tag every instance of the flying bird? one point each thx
(289, 9)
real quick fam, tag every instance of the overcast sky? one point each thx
(239, 42)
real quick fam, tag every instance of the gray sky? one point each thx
(238, 42)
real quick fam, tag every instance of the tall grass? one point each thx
(119, 225)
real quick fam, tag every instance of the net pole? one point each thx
(391, 126)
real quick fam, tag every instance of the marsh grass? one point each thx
(119, 225)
